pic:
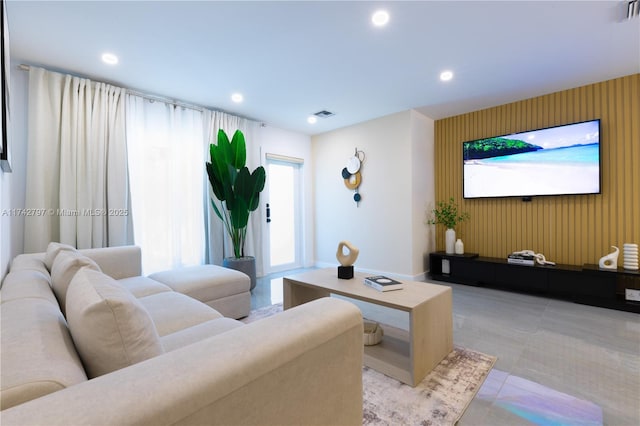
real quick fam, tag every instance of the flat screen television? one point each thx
(560, 160)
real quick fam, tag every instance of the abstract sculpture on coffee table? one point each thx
(345, 271)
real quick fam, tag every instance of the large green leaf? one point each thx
(242, 187)
(214, 180)
(229, 186)
(224, 147)
(258, 178)
(213, 153)
(238, 150)
(222, 172)
(239, 214)
(230, 200)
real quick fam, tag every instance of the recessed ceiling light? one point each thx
(109, 58)
(237, 98)
(446, 75)
(312, 119)
(380, 18)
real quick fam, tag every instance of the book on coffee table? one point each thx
(382, 283)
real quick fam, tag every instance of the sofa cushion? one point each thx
(143, 286)
(33, 261)
(225, 290)
(198, 332)
(27, 283)
(38, 355)
(117, 262)
(110, 328)
(65, 266)
(53, 249)
(205, 282)
(173, 311)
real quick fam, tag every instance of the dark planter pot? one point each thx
(245, 264)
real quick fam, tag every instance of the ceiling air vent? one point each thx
(323, 114)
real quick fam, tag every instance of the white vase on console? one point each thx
(630, 254)
(459, 246)
(450, 241)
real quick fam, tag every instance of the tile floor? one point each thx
(558, 362)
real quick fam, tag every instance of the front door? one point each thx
(284, 214)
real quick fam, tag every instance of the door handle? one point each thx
(268, 213)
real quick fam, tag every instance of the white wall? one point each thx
(291, 144)
(423, 191)
(397, 183)
(12, 185)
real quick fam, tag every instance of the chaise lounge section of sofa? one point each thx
(177, 360)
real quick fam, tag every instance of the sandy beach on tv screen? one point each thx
(517, 179)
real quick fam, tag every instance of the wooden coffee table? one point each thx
(407, 356)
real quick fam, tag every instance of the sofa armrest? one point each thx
(117, 262)
(302, 366)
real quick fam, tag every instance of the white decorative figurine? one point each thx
(610, 261)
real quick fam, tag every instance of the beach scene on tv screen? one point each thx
(553, 161)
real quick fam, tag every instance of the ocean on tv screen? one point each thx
(557, 161)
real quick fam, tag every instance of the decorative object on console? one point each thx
(521, 259)
(449, 241)
(238, 192)
(459, 247)
(447, 213)
(610, 261)
(352, 174)
(345, 271)
(529, 255)
(630, 256)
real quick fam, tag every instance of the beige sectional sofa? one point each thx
(86, 340)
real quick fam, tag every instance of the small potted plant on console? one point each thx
(447, 214)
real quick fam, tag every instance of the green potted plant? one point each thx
(238, 192)
(447, 214)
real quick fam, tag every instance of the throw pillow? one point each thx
(52, 251)
(110, 328)
(65, 266)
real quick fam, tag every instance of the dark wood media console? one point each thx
(586, 284)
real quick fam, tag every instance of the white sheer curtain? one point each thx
(167, 168)
(77, 182)
(219, 245)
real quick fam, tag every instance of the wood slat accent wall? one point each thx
(567, 229)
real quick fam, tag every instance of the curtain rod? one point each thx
(153, 98)
(24, 67)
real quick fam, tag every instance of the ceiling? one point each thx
(291, 59)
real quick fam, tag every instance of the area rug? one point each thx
(257, 314)
(440, 399)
